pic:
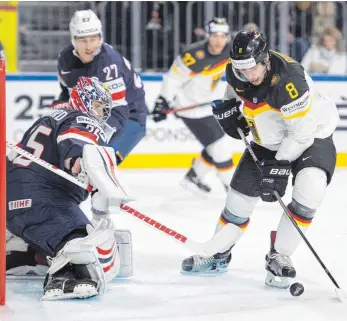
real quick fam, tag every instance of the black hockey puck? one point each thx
(296, 289)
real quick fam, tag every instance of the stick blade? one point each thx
(341, 295)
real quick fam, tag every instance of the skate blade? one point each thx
(192, 188)
(276, 281)
(204, 273)
(55, 295)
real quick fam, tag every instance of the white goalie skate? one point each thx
(279, 267)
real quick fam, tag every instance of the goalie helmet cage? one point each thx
(3, 182)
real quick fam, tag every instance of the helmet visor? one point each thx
(244, 64)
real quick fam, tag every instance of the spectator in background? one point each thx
(159, 36)
(300, 29)
(250, 26)
(328, 56)
(325, 16)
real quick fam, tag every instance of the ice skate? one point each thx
(72, 281)
(279, 267)
(194, 184)
(215, 264)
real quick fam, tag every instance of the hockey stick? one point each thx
(339, 292)
(176, 110)
(208, 248)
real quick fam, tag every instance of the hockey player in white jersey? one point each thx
(195, 78)
(272, 96)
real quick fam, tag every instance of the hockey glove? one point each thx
(275, 178)
(229, 117)
(160, 109)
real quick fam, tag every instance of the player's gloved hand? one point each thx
(275, 178)
(229, 117)
(100, 205)
(160, 109)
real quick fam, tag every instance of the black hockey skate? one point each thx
(280, 267)
(215, 264)
(193, 183)
(71, 282)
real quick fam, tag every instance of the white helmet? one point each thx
(85, 23)
(217, 25)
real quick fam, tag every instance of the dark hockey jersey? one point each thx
(111, 68)
(59, 135)
(285, 82)
(285, 113)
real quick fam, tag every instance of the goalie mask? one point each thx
(92, 97)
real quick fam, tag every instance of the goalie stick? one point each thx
(208, 248)
(339, 292)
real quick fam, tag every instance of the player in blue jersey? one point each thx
(43, 213)
(90, 56)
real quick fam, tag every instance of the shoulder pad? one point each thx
(292, 96)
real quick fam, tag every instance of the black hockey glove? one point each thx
(160, 109)
(275, 178)
(229, 117)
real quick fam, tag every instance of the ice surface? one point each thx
(158, 291)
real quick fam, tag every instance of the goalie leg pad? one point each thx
(22, 261)
(84, 265)
(124, 243)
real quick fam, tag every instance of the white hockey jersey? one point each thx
(195, 78)
(285, 113)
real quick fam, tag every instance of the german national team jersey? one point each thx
(58, 136)
(195, 78)
(284, 113)
(111, 68)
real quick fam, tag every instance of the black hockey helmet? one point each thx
(249, 48)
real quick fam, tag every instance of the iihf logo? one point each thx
(255, 100)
